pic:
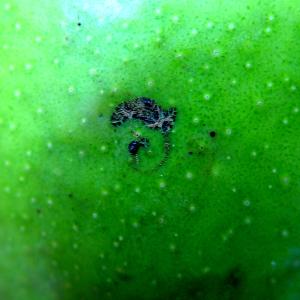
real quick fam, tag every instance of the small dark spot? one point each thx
(38, 211)
(234, 278)
(190, 153)
(133, 147)
(70, 195)
(78, 24)
(124, 277)
(213, 134)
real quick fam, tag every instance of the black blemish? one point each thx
(78, 24)
(234, 278)
(70, 195)
(125, 277)
(190, 153)
(134, 146)
(213, 134)
(146, 110)
(38, 211)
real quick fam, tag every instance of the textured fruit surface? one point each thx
(219, 220)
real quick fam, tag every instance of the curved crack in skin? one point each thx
(153, 117)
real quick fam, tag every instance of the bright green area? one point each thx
(77, 221)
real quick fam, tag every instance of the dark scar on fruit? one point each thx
(152, 115)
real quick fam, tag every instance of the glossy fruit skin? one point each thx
(219, 219)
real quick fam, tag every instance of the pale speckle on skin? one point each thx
(92, 71)
(285, 121)
(270, 186)
(56, 61)
(270, 84)
(231, 26)
(88, 38)
(248, 65)
(28, 66)
(247, 221)
(246, 202)
(17, 93)
(104, 192)
(216, 52)
(71, 89)
(162, 185)
(50, 202)
(192, 208)
(109, 38)
(135, 224)
(274, 170)
(194, 31)
(172, 247)
(273, 263)
(189, 175)
(271, 18)
(196, 120)
(94, 215)
(210, 25)
(7, 6)
(103, 148)
(296, 110)
(7, 163)
(293, 88)
(150, 83)
(179, 55)
(49, 145)
(158, 11)
(175, 19)
(268, 29)
(285, 233)
(228, 157)
(27, 167)
(206, 96)
(259, 102)
(137, 190)
(7, 189)
(254, 153)
(18, 26)
(234, 190)
(12, 126)
(228, 131)
(206, 67)
(81, 153)
(40, 110)
(83, 121)
(38, 39)
(285, 180)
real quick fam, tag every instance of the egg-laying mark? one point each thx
(152, 115)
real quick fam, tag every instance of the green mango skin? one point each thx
(219, 220)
